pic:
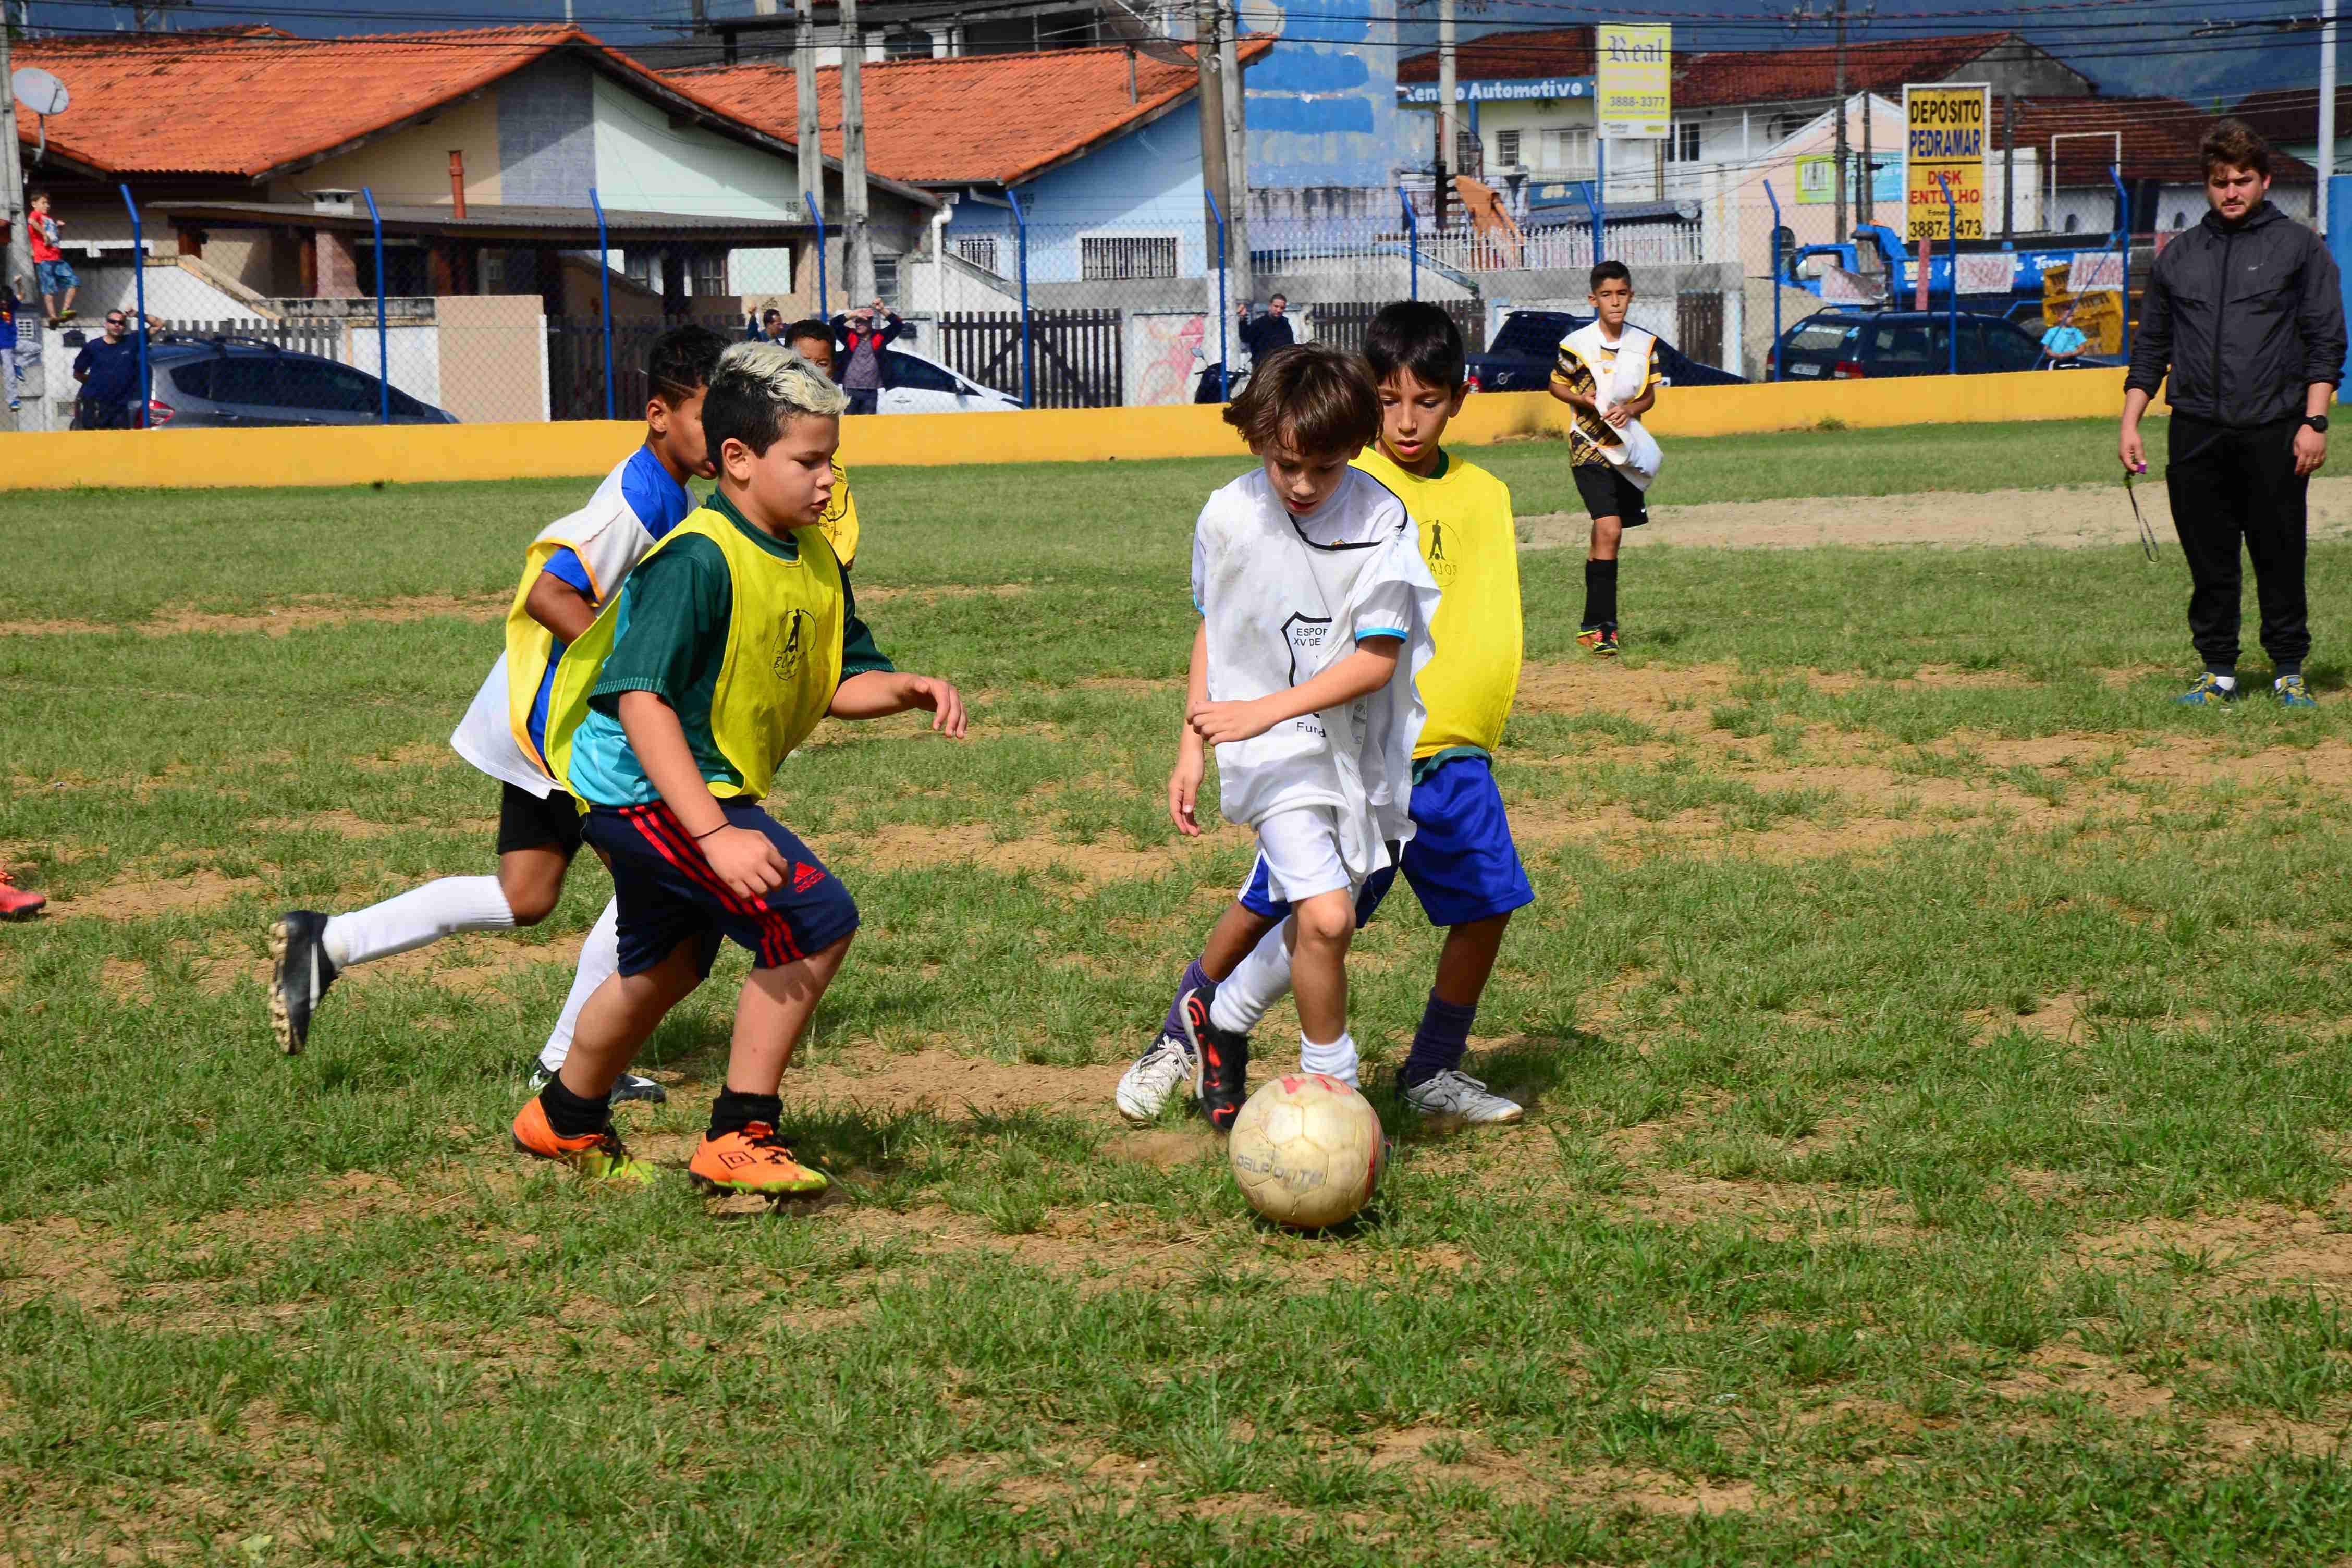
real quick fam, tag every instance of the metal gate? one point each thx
(1079, 358)
(1698, 327)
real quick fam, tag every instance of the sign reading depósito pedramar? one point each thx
(1943, 134)
(1635, 100)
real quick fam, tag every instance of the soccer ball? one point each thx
(1307, 1150)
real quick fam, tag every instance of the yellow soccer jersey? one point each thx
(1472, 547)
(840, 518)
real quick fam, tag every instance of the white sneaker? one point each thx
(1145, 1088)
(1455, 1093)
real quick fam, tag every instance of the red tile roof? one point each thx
(2292, 114)
(2159, 139)
(986, 118)
(1721, 77)
(250, 100)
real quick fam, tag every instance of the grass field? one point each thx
(1934, 1042)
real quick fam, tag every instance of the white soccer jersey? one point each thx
(1284, 598)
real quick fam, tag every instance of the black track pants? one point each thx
(2229, 485)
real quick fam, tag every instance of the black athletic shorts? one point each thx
(528, 822)
(1607, 493)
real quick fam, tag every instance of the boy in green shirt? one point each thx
(725, 648)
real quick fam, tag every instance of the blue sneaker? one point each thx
(2208, 692)
(2289, 691)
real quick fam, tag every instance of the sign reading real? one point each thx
(1945, 135)
(1635, 100)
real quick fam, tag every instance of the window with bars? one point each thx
(1683, 147)
(1469, 154)
(979, 249)
(1103, 258)
(706, 274)
(886, 279)
(1507, 148)
(1787, 125)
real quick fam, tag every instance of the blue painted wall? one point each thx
(1322, 105)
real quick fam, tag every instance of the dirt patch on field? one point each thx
(143, 897)
(949, 590)
(301, 615)
(904, 846)
(2265, 1245)
(2071, 519)
(947, 1081)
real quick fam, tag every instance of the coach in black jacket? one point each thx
(2243, 312)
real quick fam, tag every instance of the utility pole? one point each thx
(1843, 232)
(12, 177)
(1236, 134)
(857, 244)
(1866, 197)
(2326, 109)
(812, 147)
(1216, 176)
(1446, 132)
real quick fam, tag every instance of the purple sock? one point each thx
(1194, 978)
(1441, 1042)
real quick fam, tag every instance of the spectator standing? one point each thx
(10, 376)
(862, 335)
(762, 328)
(2064, 342)
(2244, 323)
(107, 370)
(1269, 332)
(51, 271)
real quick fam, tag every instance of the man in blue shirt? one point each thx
(2064, 342)
(107, 369)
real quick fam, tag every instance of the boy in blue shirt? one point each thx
(2064, 342)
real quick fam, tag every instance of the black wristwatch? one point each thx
(2317, 422)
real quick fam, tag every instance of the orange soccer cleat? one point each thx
(15, 902)
(754, 1160)
(596, 1154)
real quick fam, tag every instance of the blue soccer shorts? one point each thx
(1461, 861)
(668, 893)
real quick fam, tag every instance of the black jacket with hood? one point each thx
(2244, 317)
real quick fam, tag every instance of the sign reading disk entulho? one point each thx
(1943, 134)
(1635, 97)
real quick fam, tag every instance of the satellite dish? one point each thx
(39, 91)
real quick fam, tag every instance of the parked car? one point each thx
(913, 384)
(230, 383)
(1856, 344)
(1527, 342)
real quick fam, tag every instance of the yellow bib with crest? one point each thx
(782, 665)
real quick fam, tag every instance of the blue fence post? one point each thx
(1412, 247)
(138, 279)
(1775, 278)
(1599, 200)
(383, 335)
(1028, 373)
(2123, 212)
(816, 215)
(604, 284)
(1224, 354)
(1952, 291)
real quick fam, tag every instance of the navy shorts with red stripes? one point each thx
(670, 894)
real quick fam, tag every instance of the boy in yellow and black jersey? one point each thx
(1586, 367)
(1461, 861)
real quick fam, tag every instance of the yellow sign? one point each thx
(1635, 97)
(1945, 134)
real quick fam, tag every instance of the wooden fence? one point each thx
(1344, 322)
(1078, 357)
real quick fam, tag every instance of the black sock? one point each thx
(1600, 593)
(734, 1110)
(572, 1115)
(2288, 669)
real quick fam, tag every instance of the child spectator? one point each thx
(51, 271)
(2064, 342)
(727, 645)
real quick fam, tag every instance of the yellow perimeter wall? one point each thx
(366, 454)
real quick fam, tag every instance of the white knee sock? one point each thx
(416, 917)
(600, 959)
(1256, 983)
(1336, 1060)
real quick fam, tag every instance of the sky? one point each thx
(2128, 47)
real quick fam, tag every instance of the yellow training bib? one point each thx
(782, 665)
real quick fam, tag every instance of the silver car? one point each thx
(246, 383)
